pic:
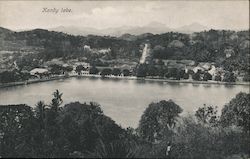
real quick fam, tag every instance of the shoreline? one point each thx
(12, 84)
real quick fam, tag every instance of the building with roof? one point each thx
(38, 71)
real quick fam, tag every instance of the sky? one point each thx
(17, 15)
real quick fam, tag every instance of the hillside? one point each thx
(206, 46)
(153, 27)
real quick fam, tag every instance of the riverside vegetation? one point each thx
(169, 53)
(82, 130)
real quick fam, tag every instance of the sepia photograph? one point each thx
(125, 79)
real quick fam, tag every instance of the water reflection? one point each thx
(196, 85)
(123, 100)
(142, 81)
(174, 84)
(207, 85)
(229, 86)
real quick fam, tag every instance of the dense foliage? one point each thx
(82, 130)
(206, 46)
(158, 119)
(54, 131)
(237, 112)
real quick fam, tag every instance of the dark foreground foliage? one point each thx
(82, 130)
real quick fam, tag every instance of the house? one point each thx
(212, 70)
(205, 65)
(188, 69)
(54, 62)
(38, 71)
(65, 65)
(86, 47)
(104, 51)
(84, 64)
(187, 62)
(195, 69)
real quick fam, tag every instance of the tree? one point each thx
(116, 72)
(197, 76)
(84, 125)
(173, 72)
(24, 75)
(160, 62)
(56, 69)
(56, 101)
(195, 140)
(113, 54)
(246, 77)
(40, 113)
(152, 71)
(52, 128)
(237, 112)
(141, 70)
(159, 52)
(105, 72)
(17, 126)
(115, 149)
(68, 69)
(207, 76)
(186, 76)
(180, 74)
(217, 77)
(79, 69)
(229, 77)
(8, 76)
(161, 72)
(158, 119)
(93, 70)
(207, 115)
(126, 72)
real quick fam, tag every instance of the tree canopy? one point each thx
(237, 112)
(157, 119)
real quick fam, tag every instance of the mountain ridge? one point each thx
(153, 27)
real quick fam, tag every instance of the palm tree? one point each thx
(40, 112)
(58, 95)
(115, 149)
(57, 100)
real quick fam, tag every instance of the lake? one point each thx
(123, 100)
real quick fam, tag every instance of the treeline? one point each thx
(56, 44)
(13, 76)
(82, 130)
(206, 46)
(149, 70)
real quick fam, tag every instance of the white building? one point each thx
(87, 47)
(212, 71)
(38, 70)
(195, 69)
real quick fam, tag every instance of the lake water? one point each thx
(123, 100)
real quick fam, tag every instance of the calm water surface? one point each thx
(123, 100)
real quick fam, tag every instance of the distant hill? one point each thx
(194, 27)
(77, 30)
(153, 27)
(204, 46)
(119, 31)
(128, 37)
(4, 30)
